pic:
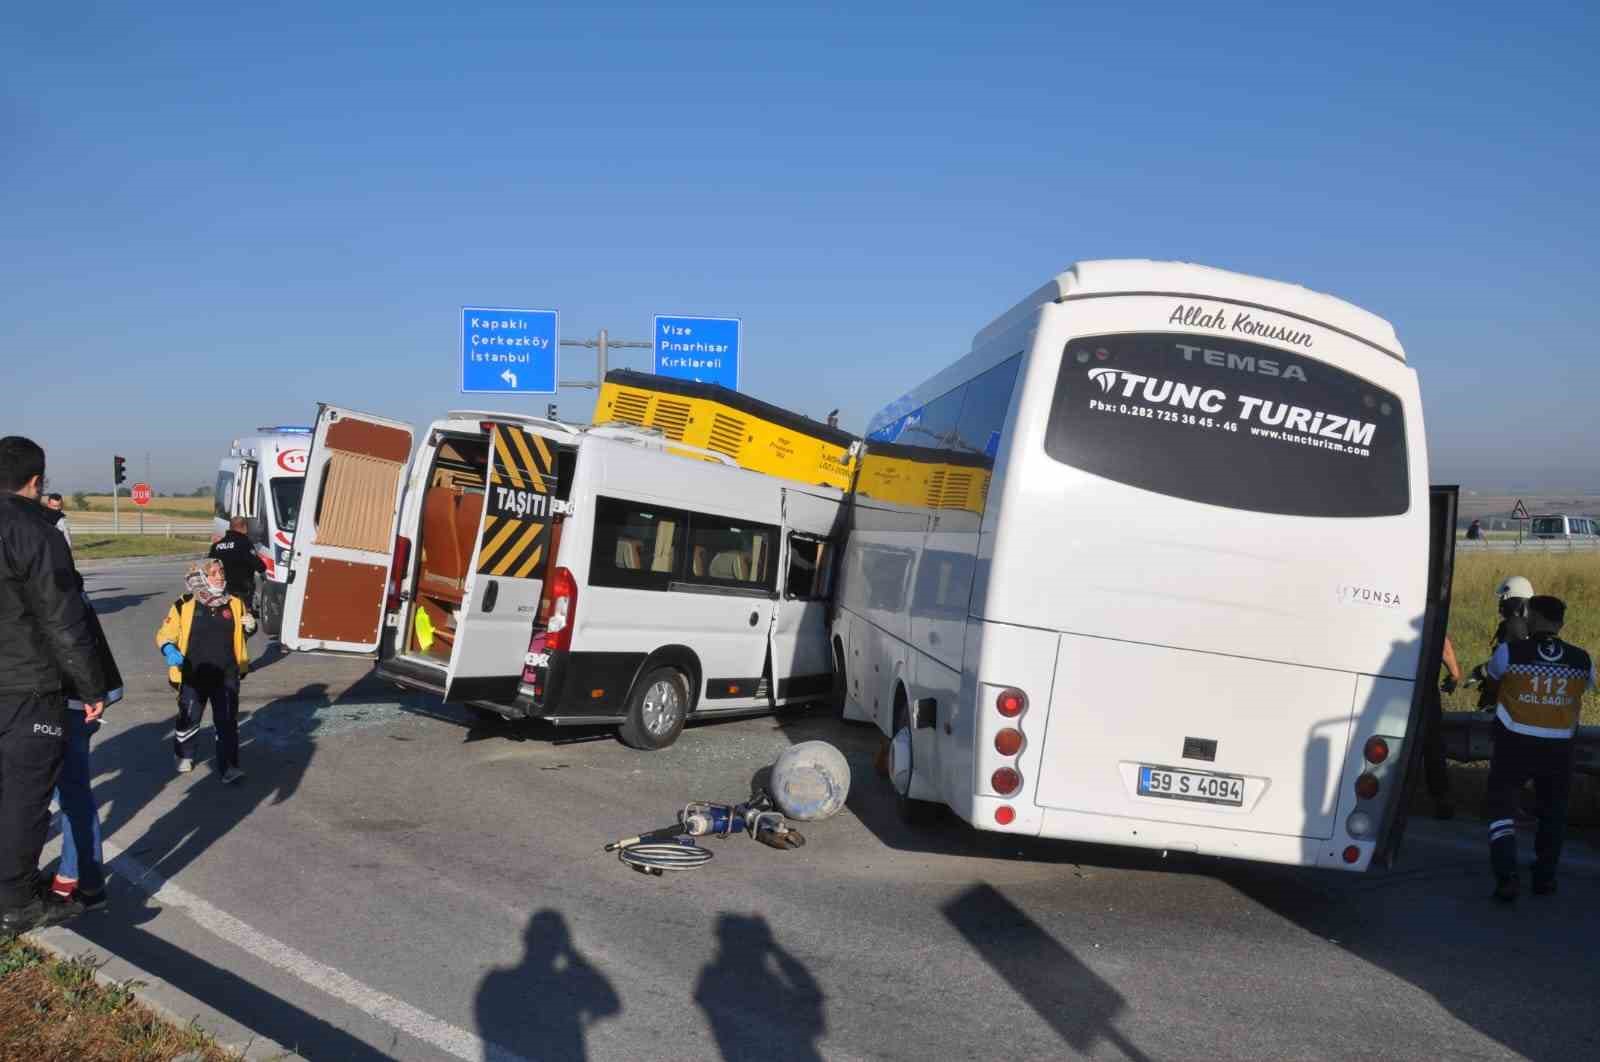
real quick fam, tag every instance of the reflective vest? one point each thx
(1542, 682)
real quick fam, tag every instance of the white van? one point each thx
(539, 570)
(1566, 528)
(260, 480)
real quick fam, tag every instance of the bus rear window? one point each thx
(1231, 423)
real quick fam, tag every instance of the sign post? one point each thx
(140, 493)
(1519, 513)
(507, 351)
(702, 349)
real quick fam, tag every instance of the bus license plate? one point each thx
(1197, 786)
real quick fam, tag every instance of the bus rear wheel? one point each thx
(657, 709)
(912, 812)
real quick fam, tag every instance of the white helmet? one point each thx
(1515, 586)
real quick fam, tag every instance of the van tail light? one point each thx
(398, 569)
(563, 611)
(1006, 781)
(1367, 786)
(1376, 750)
(1008, 742)
(1011, 703)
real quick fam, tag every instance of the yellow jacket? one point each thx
(175, 629)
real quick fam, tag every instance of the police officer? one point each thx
(1541, 682)
(240, 564)
(47, 642)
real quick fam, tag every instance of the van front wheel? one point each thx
(657, 709)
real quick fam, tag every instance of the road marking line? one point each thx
(341, 986)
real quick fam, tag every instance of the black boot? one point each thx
(38, 913)
(1506, 889)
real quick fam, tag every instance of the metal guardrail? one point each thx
(167, 528)
(1469, 736)
(1527, 545)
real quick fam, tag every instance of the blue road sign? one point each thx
(704, 349)
(508, 351)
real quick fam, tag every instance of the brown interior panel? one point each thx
(356, 510)
(369, 440)
(344, 601)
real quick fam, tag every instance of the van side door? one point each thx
(344, 540)
(802, 660)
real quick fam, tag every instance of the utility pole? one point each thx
(602, 345)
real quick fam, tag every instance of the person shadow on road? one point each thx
(760, 1000)
(543, 1007)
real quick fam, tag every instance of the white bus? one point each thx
(1150, 566)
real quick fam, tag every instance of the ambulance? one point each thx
(261, 480)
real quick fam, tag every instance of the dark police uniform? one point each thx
(239, 564)
(47, 644)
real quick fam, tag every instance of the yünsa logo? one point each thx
(1106, 378)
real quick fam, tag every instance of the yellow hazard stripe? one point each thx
(495, 543)
(521, 439)
(546, 465)
(506, 464)
(510, 558)
(532, 563)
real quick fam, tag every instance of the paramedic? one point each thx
(1541, 682)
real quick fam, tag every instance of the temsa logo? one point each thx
(293, 461)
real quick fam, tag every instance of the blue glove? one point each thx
(174, 657)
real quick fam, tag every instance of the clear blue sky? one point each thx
(213, 216)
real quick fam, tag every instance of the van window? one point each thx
(1548, 525)
(636, 544)
(1231, 423)
(810, 575)
(223, 498)
(735, 553)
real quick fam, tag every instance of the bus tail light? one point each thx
(1367, 786)
(563, 611)
(1376, 750)
(398, 569)
(1006, 781)
(1005, 814)
(1359, 824)
(1011, 702)
(1008, 742)
(1352, 854)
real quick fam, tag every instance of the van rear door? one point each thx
(344, 540)
(506, 575)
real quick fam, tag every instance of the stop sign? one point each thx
(140, 494)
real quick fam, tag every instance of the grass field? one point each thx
(183, 508)
(1573, 577)
(107, 547)
(55, 1009)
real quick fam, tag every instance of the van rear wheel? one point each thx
(657, 710)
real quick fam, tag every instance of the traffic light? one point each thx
(121, 468)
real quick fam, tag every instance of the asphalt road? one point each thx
(395, 879)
